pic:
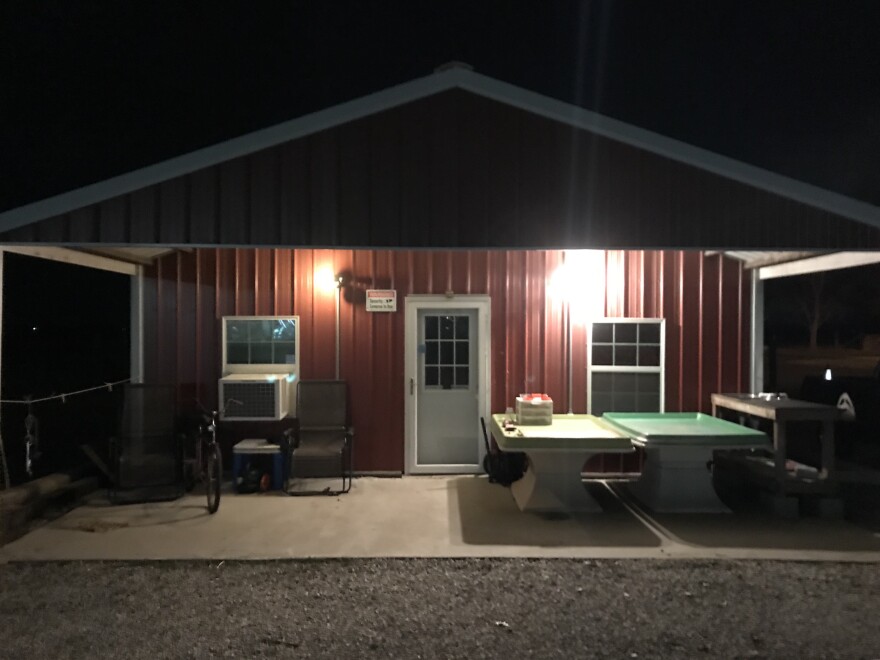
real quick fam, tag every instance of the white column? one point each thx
(5, 474)
(137, 327)
(756, 328)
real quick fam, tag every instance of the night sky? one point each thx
(94, 89)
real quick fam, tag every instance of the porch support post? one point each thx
(2, 255)
(137, 327)
(756, 334)
(3, 464)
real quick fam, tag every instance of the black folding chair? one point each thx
(321, 442)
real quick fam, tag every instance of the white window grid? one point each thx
(626, 369)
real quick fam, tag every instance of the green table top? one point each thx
(585, 433)
(685, 429)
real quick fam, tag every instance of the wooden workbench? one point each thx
(780, 411)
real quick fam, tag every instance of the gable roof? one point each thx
(444, 79)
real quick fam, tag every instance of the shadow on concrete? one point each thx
(487, 515)
(751, 525)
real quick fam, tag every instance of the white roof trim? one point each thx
(420, 88)
(834, 261)
(74, 257)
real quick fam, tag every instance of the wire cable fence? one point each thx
(31, 426)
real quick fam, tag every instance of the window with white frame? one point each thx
(625, 365)
(265, 344)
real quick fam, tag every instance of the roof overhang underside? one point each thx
(772, 265)
(452, 160)
(768, 265)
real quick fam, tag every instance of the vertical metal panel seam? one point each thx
(719, 357)
(661, 282)
(739, 326)
(236, 273)
(449, 271)
(680, 276)
(701, 327)
(216, 281)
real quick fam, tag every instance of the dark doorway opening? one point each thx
(65, 328)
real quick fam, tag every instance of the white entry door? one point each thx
(447, 383)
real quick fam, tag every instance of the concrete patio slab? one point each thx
(454, 516)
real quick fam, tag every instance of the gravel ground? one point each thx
(440, 608)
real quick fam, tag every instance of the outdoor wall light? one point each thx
(579, 283)
(328, 281)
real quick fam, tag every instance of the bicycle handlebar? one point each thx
(211, 414)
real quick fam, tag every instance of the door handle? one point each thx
(412, 384)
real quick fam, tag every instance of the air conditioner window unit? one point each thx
(259, 396)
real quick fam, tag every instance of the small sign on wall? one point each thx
(381, 300)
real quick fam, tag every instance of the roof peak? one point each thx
(453, 65)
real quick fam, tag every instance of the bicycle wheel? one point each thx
(213, 474)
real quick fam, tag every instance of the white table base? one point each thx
(552, 483)
(676, 479)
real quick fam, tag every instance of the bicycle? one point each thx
(208, 459)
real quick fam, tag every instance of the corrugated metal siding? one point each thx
(704, 300)
(460, 171)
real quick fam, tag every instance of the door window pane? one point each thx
(432, 353)
(431, 331)
(461, 327)
(447, 325)
(446, 353)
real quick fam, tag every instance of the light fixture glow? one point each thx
(828, 374)
(579, 282)
(326, 280)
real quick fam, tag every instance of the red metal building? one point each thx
(452, 185)
(705, 300)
